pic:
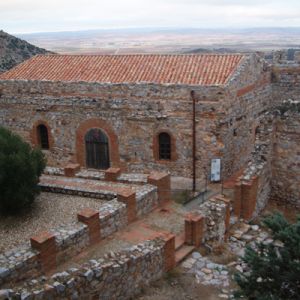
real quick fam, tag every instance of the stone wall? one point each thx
(286, 162)
(132, 115)
(248, 97)
(19, 264)
(256, 178)
(117, 276)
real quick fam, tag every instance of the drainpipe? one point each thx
(194, 140)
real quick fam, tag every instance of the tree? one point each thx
(20, 169)
(273, 270)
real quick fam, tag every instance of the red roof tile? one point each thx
(204, 69)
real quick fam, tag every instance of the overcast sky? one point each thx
(20, 16)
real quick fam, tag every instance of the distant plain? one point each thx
(146, 40)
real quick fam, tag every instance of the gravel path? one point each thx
(49, 211)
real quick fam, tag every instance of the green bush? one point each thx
(20, 169)
(274, 270)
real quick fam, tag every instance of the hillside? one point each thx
(14, 51)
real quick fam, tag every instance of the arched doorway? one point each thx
(97, 149)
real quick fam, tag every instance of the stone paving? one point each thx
(207, 272)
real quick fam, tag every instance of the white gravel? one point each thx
(49, 211)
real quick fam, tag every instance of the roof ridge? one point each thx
(146, 54)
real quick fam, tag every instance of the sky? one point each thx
(25, 16)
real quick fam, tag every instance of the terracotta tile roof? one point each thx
(204, 69)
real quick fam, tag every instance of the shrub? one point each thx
(273, 270)
(20, 168)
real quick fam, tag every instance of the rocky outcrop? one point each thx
(14, 51)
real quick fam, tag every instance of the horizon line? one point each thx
(154, 28)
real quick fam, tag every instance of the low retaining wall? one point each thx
(19, 264)
(113, 217)
(117, 276)
(26, 262)
(59, 245)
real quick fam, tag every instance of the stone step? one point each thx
(179, 241)
(183, 252)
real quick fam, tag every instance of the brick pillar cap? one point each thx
(113, 170)
(166, 236)
(42, 237)
(72, 165)
(126, 192)
(88, 212)
(157, 175)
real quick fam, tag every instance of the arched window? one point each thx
(164, 142)
(97, 149)
(43, 139)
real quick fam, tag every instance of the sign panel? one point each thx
(215, 174)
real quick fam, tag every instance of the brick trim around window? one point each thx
(34, 134)
(81, 131)
(156, 147)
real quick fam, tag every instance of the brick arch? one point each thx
(112, 138)
(34, 134)
(156, 146)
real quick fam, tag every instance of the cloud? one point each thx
(56, 15)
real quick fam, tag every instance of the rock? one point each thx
(268, 241)
(247, 237)
(187, 264)
(244, 227)
(231, 264)
(212, 266)
(200, 274)
(3, 272)
(4, 294)
(238, 234)
(278, 243)
(88, 275)
(254, 227)
(239, 268)
(224, 296)
(196, 255)
(206, 271)
(200, 264)
(26, 296)
(59, 287)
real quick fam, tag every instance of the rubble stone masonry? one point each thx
(132, 115)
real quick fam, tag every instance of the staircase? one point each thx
(181, 249)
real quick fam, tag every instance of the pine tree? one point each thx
(274, 271)
(20, 168)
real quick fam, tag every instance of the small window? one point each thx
(43, 139)
(164, 140)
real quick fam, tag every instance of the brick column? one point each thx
(71, 169)
(163, 183)
(90, 217)
(169, 252)
(194, 229)
(237, 202)
(127, 196)
(188, 229)
(112, 174)
(44, 242)
(249, 194)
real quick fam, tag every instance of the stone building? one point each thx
(140, 112)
